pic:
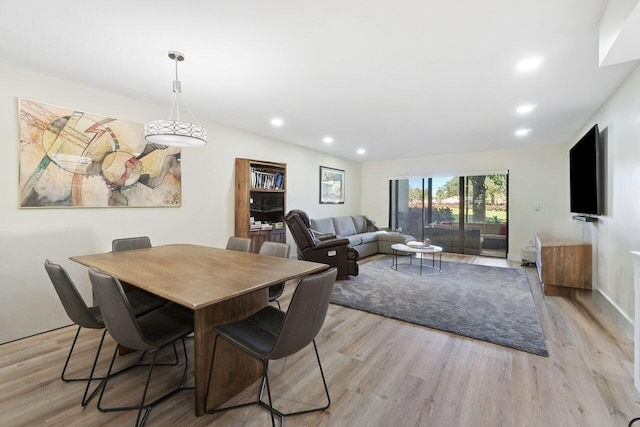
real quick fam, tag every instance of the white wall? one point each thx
(618, 231)
(28, 303)
(537, 176)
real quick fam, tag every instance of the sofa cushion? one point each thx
(323, 225)
(369, 237)
(354, 239)
(344, 226)
(393, 237)
(360, 222)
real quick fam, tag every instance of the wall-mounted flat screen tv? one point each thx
(586, 174)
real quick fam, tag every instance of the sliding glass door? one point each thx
(463, 214)
(486, 210)
(406, 212)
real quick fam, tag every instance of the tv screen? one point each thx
(585, 174)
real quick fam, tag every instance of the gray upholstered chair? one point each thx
(88, 317)
(241, 244)
(148, 333)
(129, 243)
(272, 334)
(280, 250)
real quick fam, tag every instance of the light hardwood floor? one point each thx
(381, 372)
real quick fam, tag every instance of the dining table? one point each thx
(220, 286)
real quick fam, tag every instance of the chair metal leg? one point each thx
(324, 381)
(265, 376)
(90, 378)
(85, 399)
(144, 393)
(186, 366)
(106, 380)
(66, 363)
(142, 418)
(306, 411)
(144, 353)
(265, 381)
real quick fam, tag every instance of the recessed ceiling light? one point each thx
(361, 151)
(525, 108)
(523, 132)
(327, 139)
(530, 64)
(277, 122)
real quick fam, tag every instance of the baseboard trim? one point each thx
(36, 334)
(603, 301)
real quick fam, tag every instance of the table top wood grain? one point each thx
(197, 276)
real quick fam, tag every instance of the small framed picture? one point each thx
(331, 185)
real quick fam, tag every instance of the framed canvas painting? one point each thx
(75, 159)
(331, 185)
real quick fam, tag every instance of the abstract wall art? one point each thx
(74, 159)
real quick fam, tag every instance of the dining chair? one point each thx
(272, 334)
(88, 317)
(279, 250)
(241, 244)
(148, 333)
(128, 243)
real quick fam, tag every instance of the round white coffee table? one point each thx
(418, 248)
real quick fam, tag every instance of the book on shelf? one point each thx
(279, 180)
(266, 180)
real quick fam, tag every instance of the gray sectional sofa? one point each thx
(361, 232)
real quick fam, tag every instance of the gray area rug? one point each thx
(487, 303)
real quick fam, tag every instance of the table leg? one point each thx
(234, 370)
(439, 261)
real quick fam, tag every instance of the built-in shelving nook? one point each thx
(260, 201)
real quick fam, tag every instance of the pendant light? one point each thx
(175, 132)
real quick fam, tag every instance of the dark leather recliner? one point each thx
(333, 251)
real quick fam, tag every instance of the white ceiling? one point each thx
(401, 79)
(620, 32)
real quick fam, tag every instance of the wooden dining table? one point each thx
(220, 286)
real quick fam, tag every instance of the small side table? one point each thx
(418, 248)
